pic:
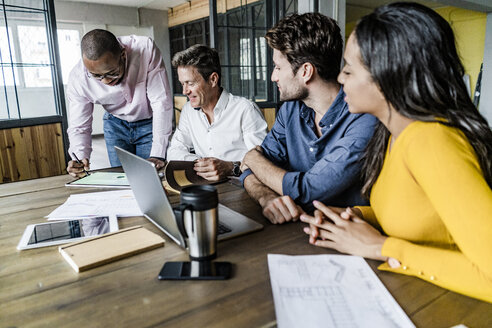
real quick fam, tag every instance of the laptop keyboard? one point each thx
(222, 228)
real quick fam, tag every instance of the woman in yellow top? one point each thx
(428, 167)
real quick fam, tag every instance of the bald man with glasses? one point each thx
(126, 75)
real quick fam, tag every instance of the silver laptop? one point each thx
(153, 202)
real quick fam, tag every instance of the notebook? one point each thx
(101, 180)
(89, 253)
(153, 202)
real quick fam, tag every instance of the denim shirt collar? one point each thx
(337, 107)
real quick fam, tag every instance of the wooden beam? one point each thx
(196, 9)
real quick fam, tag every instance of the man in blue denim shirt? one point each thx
(313, 150)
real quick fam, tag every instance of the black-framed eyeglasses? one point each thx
(112, 74)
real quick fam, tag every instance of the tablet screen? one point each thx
(65, 230)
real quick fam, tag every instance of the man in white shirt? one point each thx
(218, 126)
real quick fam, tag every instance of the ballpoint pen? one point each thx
(80, 162)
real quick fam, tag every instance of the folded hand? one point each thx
(343, 231)
(281, 209)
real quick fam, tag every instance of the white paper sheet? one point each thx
(331, 291)
(121, 203)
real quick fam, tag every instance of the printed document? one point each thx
(331, 291)
(121, 203)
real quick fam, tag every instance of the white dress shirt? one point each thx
(238, 126)
(143, 93)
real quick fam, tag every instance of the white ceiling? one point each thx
(150, 4)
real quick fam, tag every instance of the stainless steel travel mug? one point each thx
(198, 221)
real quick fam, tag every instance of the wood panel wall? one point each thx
(179, 102)
(31, 152)
(196, 9)
(270, 115)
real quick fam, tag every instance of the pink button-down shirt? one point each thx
(143, 93)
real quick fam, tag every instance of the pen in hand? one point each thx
(80, 162)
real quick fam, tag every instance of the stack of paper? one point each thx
(121, 203)
(331, 291)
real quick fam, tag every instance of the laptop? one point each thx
(154, 204)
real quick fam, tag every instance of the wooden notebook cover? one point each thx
(93, 252)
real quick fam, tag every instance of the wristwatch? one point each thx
(236, 169)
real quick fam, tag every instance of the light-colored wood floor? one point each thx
(99, 156)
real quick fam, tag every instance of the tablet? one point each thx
(62, 232)
(101, 180)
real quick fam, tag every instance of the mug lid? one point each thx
(200, 197)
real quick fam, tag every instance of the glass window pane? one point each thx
(30, 68)
(207, 31)
(234, 46)
(177, 87)
(245, 58)
(176, 46)
(6, 43)
(224, 78)
(175, 33)
(69, 47)
(8, 101)
(236, 18)
(194, 33)
(259, 19)
(4, 110)
(221, 19)
(38, 4)
(29, 97)
(290, 7)
(236, 87)
(7, 56)
(260, 48)
(261, 84)
(221, 46)
(33, 44)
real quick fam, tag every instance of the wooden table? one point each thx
(38, 288)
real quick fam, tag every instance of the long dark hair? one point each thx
(411, 54)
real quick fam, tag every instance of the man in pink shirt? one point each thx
(125, 75)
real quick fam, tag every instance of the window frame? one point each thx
(59, 99)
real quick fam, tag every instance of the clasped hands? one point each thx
(343, 230)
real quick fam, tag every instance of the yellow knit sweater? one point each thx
(433, 202)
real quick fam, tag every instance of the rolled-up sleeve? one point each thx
(336, 171)
(159, 95)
